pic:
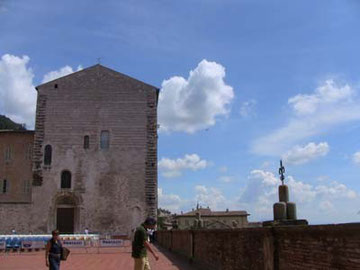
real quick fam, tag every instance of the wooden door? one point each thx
(65, 220)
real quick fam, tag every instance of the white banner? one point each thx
(32, 244)
(111, 243)
(73, 243)
(2, 245)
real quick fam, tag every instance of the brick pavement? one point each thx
(107, 259)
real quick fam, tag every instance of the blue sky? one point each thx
(244, 83)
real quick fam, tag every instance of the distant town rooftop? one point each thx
(207, 212)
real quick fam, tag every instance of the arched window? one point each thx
(47, 155)
(66, 179)
(104, 139)
(86, 142)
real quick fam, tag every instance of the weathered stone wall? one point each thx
(114, 189)
(284, 248)
(15, 216)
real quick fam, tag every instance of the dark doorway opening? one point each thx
(65, 220)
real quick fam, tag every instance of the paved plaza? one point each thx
(107, 258)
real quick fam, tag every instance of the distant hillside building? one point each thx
(212, 219)
(94, 157)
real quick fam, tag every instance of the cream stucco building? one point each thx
(212, 219)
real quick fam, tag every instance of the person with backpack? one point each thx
(53, 251)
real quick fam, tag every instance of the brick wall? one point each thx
(284, 248)
(164, 238)
(319, 247)
(182, 243)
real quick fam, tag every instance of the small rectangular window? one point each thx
(5, 186)
(8, 153)
(65, 179)
(48, 155)
(86, 142)
(104, 139)
(26, 186)
(28, 153)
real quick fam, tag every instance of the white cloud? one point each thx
(335, 190)
(210, 196)
(266, 164)
(325, 202)
(223, 169)
(331, 104)
(17, 92)
(267, 178)
(328, 93)
(326, 206)
(52, 75)
(301, 192)
(356, 158)
(195, 103)
(226, 179)
(204, 196)
(301, 155)
(171, 168)
(261, 192)
(247, 108)
(170, 202)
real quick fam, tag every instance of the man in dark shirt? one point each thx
(140, 244)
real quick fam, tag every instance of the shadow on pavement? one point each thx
(177, 261)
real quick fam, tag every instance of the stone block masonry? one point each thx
(94, 160)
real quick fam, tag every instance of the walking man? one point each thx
(140, 245)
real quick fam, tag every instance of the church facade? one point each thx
(94, 156)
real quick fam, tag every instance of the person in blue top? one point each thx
(53, 251)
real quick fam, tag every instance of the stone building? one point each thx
(94, 162)
(212, 219)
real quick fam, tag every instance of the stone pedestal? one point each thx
(280, 211)
(291, 210)
(283, 193)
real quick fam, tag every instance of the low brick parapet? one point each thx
(272, 248)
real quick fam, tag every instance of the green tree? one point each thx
(7, 123)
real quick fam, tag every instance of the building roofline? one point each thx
(216, 215)
(52, 81)
(16, 131)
